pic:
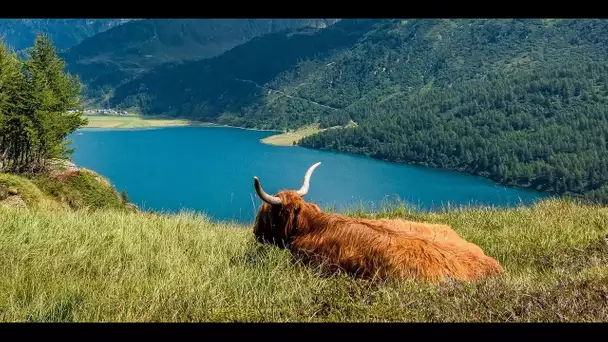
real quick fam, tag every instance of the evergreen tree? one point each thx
(39, 107)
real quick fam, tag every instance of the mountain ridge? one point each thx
(65, 33)
(134, 48)
(518, 101)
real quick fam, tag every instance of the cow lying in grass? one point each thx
(364, 247)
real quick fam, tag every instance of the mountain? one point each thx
(117, 55)
(523, 102)
(231, 81)
(65, 33)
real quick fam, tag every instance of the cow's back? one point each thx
(391, 247)
(436, 232)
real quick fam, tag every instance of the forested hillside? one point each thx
(520, 101)
(19, 34)
(115, 56)
(232, 81)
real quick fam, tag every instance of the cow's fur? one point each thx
(370, 248)
(435, 232)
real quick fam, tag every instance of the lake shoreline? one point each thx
(102, 122)
(515, 186)
(133, 122)
(287, 139)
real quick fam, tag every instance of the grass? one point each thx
(60, 188)
(108, 265)
(106, 121)
(292, 138)
(29, 192)
(84, 189)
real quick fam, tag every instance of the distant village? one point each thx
(103, 112)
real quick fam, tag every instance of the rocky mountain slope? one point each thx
(65, 33)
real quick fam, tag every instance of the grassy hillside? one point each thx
(118, 266)
(17, 191)
(522, 102)
(62, 187)
(65, 33)
(117, 55)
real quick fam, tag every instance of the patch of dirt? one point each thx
(14, 201)
(6, 192)
(57, 168)
(65, 175)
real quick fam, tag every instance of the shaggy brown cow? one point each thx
(366, 248)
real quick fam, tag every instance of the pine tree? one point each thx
(36, 100)
(55, 92)
(15, 126)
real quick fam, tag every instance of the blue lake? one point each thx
(211, 170)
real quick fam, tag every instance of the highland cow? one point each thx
(363, 247)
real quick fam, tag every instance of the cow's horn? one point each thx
(263, 195)
(306, 183)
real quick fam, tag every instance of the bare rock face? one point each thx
(65, 33)
(56, 167)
